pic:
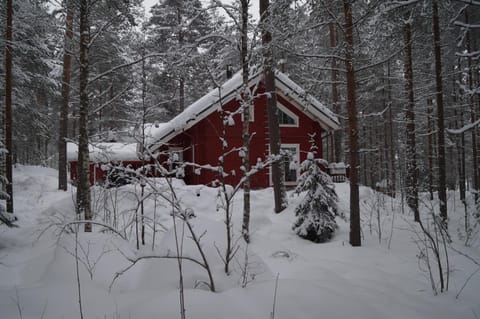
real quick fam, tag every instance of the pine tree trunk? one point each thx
(460, 141)
(442, 189)
(83, 188)
(430, 146)
(63, 126)
(142, 155)
(74, 122)
(390, 125)
(338, 136)
(385, 154)
(181, 105)
(355, 239)
(477, 137)
(181, 84)
(272, 111)
(8, 105)
(246, 123)
(411, 152)
(473, 116)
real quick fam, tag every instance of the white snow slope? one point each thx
(382, 279)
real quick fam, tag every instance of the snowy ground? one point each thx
(382, 279)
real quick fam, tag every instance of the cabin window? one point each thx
(291, 162)
(286, 117)
(175, 157)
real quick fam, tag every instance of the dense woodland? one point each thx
(402, 76)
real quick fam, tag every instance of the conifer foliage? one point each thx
(316, 212)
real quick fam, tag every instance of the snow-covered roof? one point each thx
(105, 152)
(153, 130)
(211, 102)
(310, 104)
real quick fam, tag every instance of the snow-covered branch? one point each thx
(77, 222)
(124, 65)
(467, 25)
(473, 54)
(472, 2)
(464, 129)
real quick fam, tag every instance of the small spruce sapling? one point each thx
(316, 212)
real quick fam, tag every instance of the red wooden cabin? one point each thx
(195, 134)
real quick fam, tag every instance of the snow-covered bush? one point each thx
(316, 212)
(6, 218)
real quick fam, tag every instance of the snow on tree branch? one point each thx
(464, 129)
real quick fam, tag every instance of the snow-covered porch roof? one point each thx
(105, 152)
(159, 134)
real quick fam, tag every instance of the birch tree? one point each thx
(246, 103)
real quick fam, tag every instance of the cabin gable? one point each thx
(202, 143)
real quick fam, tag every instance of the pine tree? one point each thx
(63, 125)
(355, 239)
(272, 110)
(316, 213)
(8, 105)
(411, 153)
(175, 28)
(83, 190)
(34, 82)
(442, 188)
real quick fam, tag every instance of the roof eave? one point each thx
(204, 113)
(326, 121)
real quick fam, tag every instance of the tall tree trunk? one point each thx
(477, 131)
(246, 103)
(272, 111)
(442, 189)
(181, 81)
(385, 154)
(355, 239)
(142, 155)
(473, 116)
(8, 105)
(430, 149)
(338, 136)
(83, 188)
(373, 162)
(390, 125)
(74, 122)
(363, 179)
(181, 90)
(411, 152)
(63, 127)
(460, 142)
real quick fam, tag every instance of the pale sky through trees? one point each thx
(254, 10)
